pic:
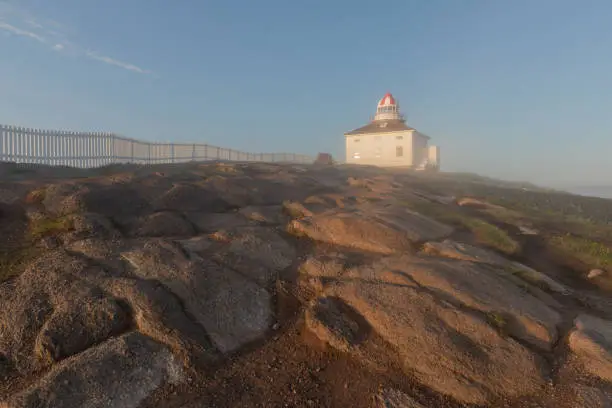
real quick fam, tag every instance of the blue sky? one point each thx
(513, 89)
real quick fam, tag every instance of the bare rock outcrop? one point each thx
(417, 227)
(458, 250)
(161, 224)
(336, 323)
(258, 253)
(451, 351)
(120, 373)
(591, 344)
(391, 398)
(233, 310)
(352, 230)
(75, 326)
(469, 285)
(589, 397)
(138, 275)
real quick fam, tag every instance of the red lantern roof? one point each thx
(387, 100)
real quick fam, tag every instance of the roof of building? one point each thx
(387, 100)
(381, 126)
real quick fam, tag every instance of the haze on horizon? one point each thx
(516, 90)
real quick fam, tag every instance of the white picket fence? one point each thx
(95, 149)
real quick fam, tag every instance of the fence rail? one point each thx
(95, 149)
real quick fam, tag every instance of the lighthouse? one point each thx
(388, 141)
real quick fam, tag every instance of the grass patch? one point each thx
(529, 278)
(45, 227)
(36, 196)
(484, 232)
(490, 235)
(295, 209)
(499, 322)
(591, 253)
(20, 169)
(438, 212)
(12, 261)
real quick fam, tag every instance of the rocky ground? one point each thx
(269, 285)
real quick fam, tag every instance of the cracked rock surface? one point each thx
(258, 284)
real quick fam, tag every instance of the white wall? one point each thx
(380, 149)
(420, 148)
(434, 155)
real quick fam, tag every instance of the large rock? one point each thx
(390, 398)
(465, 252)
(213, 222)
(101, 251)
(76, 326)
(238, 191)
(511, 308)
(109, 200)
(591, 344)
(47, 283)
(323, 265)
(589, 397)
(233, 310)
(448, 350)
(352, 230)
(461, 251)
(159, 314)
(336, 323)
(264, 214)
(529, 315)
(120, 373)
(258, 253)
(22, 316)
(87, 225)
(191, 197)
(162, 224)
(417, 227)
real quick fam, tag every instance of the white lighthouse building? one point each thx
(387, 141)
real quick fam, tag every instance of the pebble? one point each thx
(595, 273)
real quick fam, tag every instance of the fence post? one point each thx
(2, 147)
(92, 149)
(113, 152)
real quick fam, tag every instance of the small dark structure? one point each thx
(324, 158)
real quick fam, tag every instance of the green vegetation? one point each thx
(13, 257)
(530, 278)
(36, 196)
(295, 209)
(492, 236)
(45, 227)
(576, 229)
(527, 199)
(592, 253)
(21, 168)
(11, 261)
(485, 233)
(499, 322)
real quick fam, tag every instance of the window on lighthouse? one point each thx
(399, 151)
